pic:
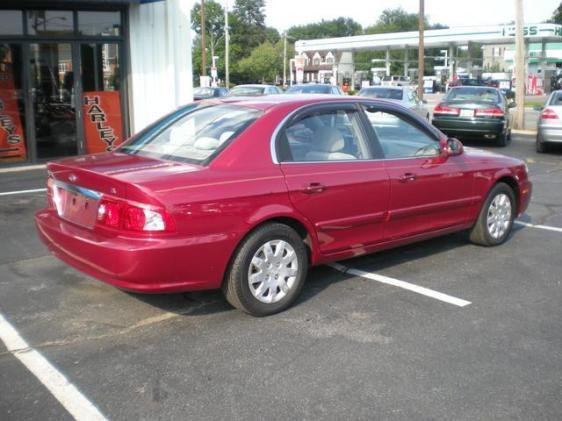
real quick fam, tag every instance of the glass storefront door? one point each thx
(53, 99)
(61, 91)
(13, 141)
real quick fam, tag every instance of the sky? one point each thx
(282, 14)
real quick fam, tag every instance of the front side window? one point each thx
(399, 138)
(196, 136)
(328, 135)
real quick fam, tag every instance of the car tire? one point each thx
(503, 140)
(495, 211)
(541, 145)
(276, 285)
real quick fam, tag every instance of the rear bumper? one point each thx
(147, 265)
(468, 128)
(525, 193)
(550, 133)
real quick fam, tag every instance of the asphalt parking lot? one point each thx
(351, 348)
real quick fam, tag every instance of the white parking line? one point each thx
(542, 227)
(401, 284)
(10, 193)
(59, 386)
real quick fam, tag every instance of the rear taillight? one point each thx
(50, 192)
(549, 114)
(489, 112)
(123, 215)
(445, 110)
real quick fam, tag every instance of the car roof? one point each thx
(386, 88)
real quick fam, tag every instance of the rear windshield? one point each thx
(382, 93)
(556, 99)
(309, 89)
(247, 91)
(195, 137)
(473, 94)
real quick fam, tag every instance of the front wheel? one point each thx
(496, 217)
(268, 271)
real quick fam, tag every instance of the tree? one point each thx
(214, 23)
(264, 63)
(557, 15)
(248, 24)
(340, 27)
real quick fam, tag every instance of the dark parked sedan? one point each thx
(475, 112)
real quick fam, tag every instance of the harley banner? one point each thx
(102, 120)
(12, 139)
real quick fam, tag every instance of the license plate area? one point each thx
(76, 204)
(467, 113)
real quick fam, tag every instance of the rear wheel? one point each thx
(541, 145)
(268, 271)
(495, 220)
(503, 139)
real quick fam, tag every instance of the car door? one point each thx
(429, 192)
(332, 178)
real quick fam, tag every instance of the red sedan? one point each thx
(246, 194)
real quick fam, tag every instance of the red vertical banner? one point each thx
(12, 138)
(101, 112)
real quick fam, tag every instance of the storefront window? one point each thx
(11, 22)
(50, 22)
(101, 97)
(99, 23)
(12, 133)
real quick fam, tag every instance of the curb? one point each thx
(23, 168)
(528, 132)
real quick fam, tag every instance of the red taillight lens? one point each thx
(445, 110)
(549, 114)
(129, 217)
(489, 112)
(109, 213)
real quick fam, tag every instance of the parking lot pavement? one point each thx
(352, 347)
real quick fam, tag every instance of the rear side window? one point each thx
(327, 135)
(195, 137)
(399, 138)
(556, 99)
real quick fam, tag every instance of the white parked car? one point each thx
(403, 95)
(395, 81)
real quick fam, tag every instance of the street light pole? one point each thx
(285, 59)
(226, 47)
(421, 52)
(203, 52)
(519, 67)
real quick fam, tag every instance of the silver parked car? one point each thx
(549, 128)
(314, 88)
(404, 95)
(254, 90)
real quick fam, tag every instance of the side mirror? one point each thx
(538, 108)
(451, 147)
(511, 104)
(424, 101)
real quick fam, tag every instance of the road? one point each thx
(351, 348)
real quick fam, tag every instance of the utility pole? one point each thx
(203, 52)
(421, 52)
(519, 67)
(226, 47)
(284, 59)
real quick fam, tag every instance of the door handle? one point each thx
(408, 177)
(314, 188)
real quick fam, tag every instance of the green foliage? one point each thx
(557, 15)
(340, 27)
(264, 63)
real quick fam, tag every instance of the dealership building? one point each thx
(80, 76)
